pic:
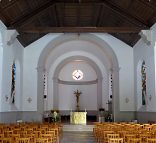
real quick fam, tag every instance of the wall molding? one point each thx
(78, 82)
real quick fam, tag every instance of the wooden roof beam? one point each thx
(78, 1)
(80, 30)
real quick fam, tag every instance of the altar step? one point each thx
(78, 127)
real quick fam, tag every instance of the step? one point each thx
(78, 127)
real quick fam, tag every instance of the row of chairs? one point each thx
(30, 133)
(125, 132)
(24, 140)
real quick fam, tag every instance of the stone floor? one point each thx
(71, 127)
(77, 137)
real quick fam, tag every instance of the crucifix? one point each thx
(77, 94)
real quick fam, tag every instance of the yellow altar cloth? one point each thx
(78, 117)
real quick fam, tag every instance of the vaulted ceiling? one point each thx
(121, 18)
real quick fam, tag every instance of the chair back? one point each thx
(134, 140)
(151, 140)
(115, 140)
(23, 140)
(6, 140)
(41, 140)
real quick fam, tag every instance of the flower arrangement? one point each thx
(55, 115)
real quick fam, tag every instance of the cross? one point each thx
(77, 94)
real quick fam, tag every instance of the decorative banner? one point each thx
(12, 99)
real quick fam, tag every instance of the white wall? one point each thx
(124, 55)
(2, 29)
(30, 70)
(144, 51)
(89, 73)
(56, 49)
(11, 52)
(154, 45)
(83, 50)
(88, 98)
(1, 65)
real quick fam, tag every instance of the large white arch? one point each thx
(64, 59)
(107, 51)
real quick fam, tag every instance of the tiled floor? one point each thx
(77, 137)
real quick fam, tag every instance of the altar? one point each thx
(78, 117)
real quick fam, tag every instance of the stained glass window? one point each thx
(143, 76)
(13, 83)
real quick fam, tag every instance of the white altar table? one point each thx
(78, 117)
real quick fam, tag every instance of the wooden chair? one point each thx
(6, 140)
(127, 136)
(115, 140)
(8, 133)
(144, 137)
(14, 136)
(50, 137)
(1, 135)
(103, 135)
(41, 140)
(53, 134)
(31, 137)
(122, 133)
(151, 140)
(134, 140)
(23, 134)
(22, 140)
(16, 131)
(112, 136)
(29, 131)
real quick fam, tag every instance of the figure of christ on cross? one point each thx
(77, 94)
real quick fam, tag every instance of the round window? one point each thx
(77, 75)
